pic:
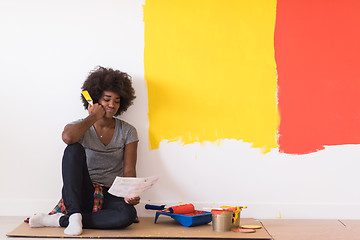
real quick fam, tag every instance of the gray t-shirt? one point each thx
(106, 162)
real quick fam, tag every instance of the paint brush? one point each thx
(86, 95)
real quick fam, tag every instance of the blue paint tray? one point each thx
(188, 220)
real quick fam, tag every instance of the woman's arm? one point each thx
(73, 132)
(130, 156)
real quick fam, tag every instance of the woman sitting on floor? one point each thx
(100, 147)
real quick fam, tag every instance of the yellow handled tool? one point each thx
(86, 95)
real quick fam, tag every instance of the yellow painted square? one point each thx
(210, 71)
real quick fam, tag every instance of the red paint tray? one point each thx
(188, 220)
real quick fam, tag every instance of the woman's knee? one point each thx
(74, 150)
(127, 216)
(74, 153)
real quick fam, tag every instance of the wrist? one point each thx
(92, 118)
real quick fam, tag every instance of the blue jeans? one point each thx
(78, 197)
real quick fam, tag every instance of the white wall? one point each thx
(47, 48)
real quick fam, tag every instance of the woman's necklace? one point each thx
(103, 132)
(100, 134)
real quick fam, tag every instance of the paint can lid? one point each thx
(250, 226)
(244, 230)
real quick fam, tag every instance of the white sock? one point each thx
(45, 220)
(75, 225)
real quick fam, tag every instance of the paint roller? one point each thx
(180, 209)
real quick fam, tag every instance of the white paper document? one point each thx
(128, 187)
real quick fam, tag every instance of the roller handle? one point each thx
(154, 207)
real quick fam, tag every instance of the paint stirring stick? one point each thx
(86, 95)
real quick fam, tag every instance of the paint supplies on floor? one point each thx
(128, 187)
(185, 214)
(226, 218)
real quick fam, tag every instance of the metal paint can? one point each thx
(222, 220)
